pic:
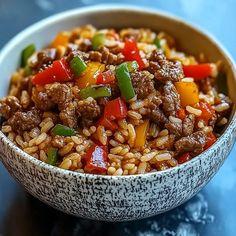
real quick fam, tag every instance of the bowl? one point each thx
(111, 198)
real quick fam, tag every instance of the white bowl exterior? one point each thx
(105, 197)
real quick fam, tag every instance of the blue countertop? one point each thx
(211, 212)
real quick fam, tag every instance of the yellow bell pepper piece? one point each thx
(89, 75)
(62, 39)
(141, 134)
(188, 92)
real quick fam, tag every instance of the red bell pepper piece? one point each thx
(131, 53)
(198, 72)
(207, 111)
(96, 159)
(211, 139)
(184, 158)
(115, 109)
(181, 114)
(58, 72)
(107, 77)
(106, 123)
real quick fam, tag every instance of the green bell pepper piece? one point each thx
(95, 92)
(77, 65)
(52, 156)
(124, 81)
(63, 130)
(27, 53)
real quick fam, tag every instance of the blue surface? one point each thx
(211, 212)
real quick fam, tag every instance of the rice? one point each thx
(102, 136)
(47, 126)
(134, 115)
(174, 119)
(142, 167)
(41, 138)
(42, 155)
(132, 135)
(193, 110)
(66, 164)
(66, 149)
(6, 129)
(163, 156)
(222, 107)
(148, 156)
(222, 122)
(187, 79)
(118, 137)
(116, 150)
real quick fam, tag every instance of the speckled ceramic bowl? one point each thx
(105, 197)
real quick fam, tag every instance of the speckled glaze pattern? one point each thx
(117, 198)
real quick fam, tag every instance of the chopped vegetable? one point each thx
(63, 130)
(157, 42)
(181, 114)
(211, 139)
(106, 123)
(96, 159)
(58, 72)
(89, 76)
(27, 53)
(98, 40)
(27, 70)
(207, 111)
(221, 82)
(198, 71)
(131, 53)
(141, 134)
(124, 82)
(184, 158)
(188, 92)
(62, 39)
(132, 66)
(107, 77)
(115, 109)
(52, 156)
(95, 92)
(77, 65)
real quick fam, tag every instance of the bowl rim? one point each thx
(105, 8)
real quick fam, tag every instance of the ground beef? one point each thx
(60, 94)
(74, 53)
(88, 110)
(115, 90)
(23, 121)
(188, 125)
(192, 143)
(85, 45)
(184, 128)
(175, 128)
(206, 85)
(26, 84)
(163, 69)
(68, 115)
(106, 57)
(143, 83)
(171, 99)
(8, 106)
(58, 141)
(154, 113)
(44, 58)
(41, 99)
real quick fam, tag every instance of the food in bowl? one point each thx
(114, 102)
